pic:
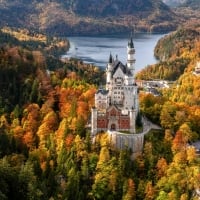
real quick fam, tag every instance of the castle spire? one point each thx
(131, 52)
(130, 43)
(110, 59)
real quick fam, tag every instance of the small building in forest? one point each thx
(197, 69)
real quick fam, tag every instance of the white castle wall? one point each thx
(130, 141)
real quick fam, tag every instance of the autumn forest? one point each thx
(46, 152)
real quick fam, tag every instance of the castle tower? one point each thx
(132, 115)
(94, 122)
(109, 72)
(131, 59)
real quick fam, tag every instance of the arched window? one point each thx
(113, 127)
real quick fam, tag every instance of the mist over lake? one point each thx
(97, 49)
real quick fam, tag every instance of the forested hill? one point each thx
(88, 17)
(115, 7)
(177, 52)
(24, 59)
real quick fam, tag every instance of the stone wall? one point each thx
(130, 141)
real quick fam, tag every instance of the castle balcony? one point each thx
(131, 51)
(131, 61)
(101, 114)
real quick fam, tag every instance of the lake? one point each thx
(97, 49)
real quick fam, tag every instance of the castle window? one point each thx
(112, 114)
(118, 80)
(113, 127)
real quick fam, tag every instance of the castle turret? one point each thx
(132, 115)
(131, 59)
(94, 122)
(109, 72)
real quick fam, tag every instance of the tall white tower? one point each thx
(94, 122)
(131, 59)
(109, 72)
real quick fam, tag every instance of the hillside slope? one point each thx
(190, 12)
(177, 52)
(87, 17)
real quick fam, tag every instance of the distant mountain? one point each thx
(174, 3)
(113, 7)
(190, 12)
(88, 17)
(194, 4)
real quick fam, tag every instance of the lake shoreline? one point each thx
(118, 34)
(96, 49)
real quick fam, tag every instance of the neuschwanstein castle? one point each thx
(116, 107)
